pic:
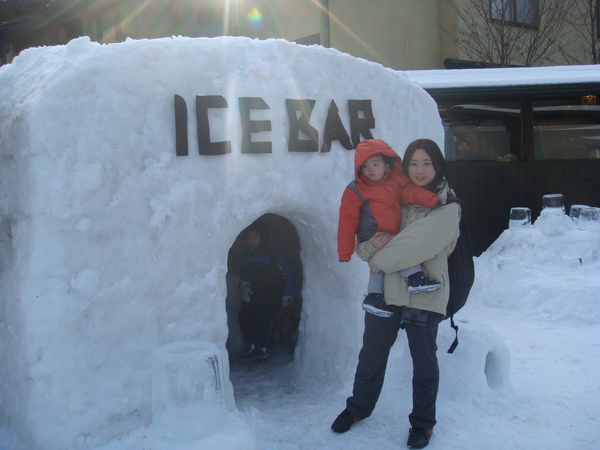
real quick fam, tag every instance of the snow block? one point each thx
(127, 172)
(188, 390)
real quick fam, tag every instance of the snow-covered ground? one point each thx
(543, 303)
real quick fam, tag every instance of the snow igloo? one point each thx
(129, 170)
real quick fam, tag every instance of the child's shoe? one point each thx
(250, 350)
(419, 282)
(263, 353)
(374, 304)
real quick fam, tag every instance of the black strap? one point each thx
(278, 269)
(451, 198)
(455, 343)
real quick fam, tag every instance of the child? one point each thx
(372, 203)
(266, 284)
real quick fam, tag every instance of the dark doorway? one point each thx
(283, 238)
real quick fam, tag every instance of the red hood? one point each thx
(366, 149)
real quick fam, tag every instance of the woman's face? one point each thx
(420, 168)
(252, 239)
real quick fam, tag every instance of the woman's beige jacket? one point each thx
(427, 236)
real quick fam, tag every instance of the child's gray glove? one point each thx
(245, 291)
(286, 300)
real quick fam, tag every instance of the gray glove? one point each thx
(286, 300)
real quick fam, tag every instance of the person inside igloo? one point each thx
(266, 285)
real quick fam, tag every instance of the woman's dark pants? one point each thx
(379, 336)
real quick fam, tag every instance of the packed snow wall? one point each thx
(127, 172)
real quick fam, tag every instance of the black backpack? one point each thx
(461, 274)
(461, 268)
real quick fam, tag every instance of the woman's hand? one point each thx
(380, 239)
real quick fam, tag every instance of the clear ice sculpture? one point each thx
(188, 390)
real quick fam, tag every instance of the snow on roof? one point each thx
(521, 76)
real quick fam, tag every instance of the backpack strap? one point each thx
(455, 343)
(454, 199)
(451, 198)
(278, 268)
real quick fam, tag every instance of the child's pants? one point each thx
(256, 319)
(376, 279)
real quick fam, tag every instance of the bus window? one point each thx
(482, 131)
(566, 127)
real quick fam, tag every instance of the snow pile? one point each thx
(554, 262)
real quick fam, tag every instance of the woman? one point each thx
(427, 236)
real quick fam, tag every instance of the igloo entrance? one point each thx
(283, 238)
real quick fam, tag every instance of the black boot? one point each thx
(344, 421)
(418, 437)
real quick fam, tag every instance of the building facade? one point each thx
(400, 34)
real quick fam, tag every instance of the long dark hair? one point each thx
(437, 159)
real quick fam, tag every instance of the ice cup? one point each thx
(553, 201)
(589, 219)
(576, 211)
(520, 217)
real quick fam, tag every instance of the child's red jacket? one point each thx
(381, 210)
